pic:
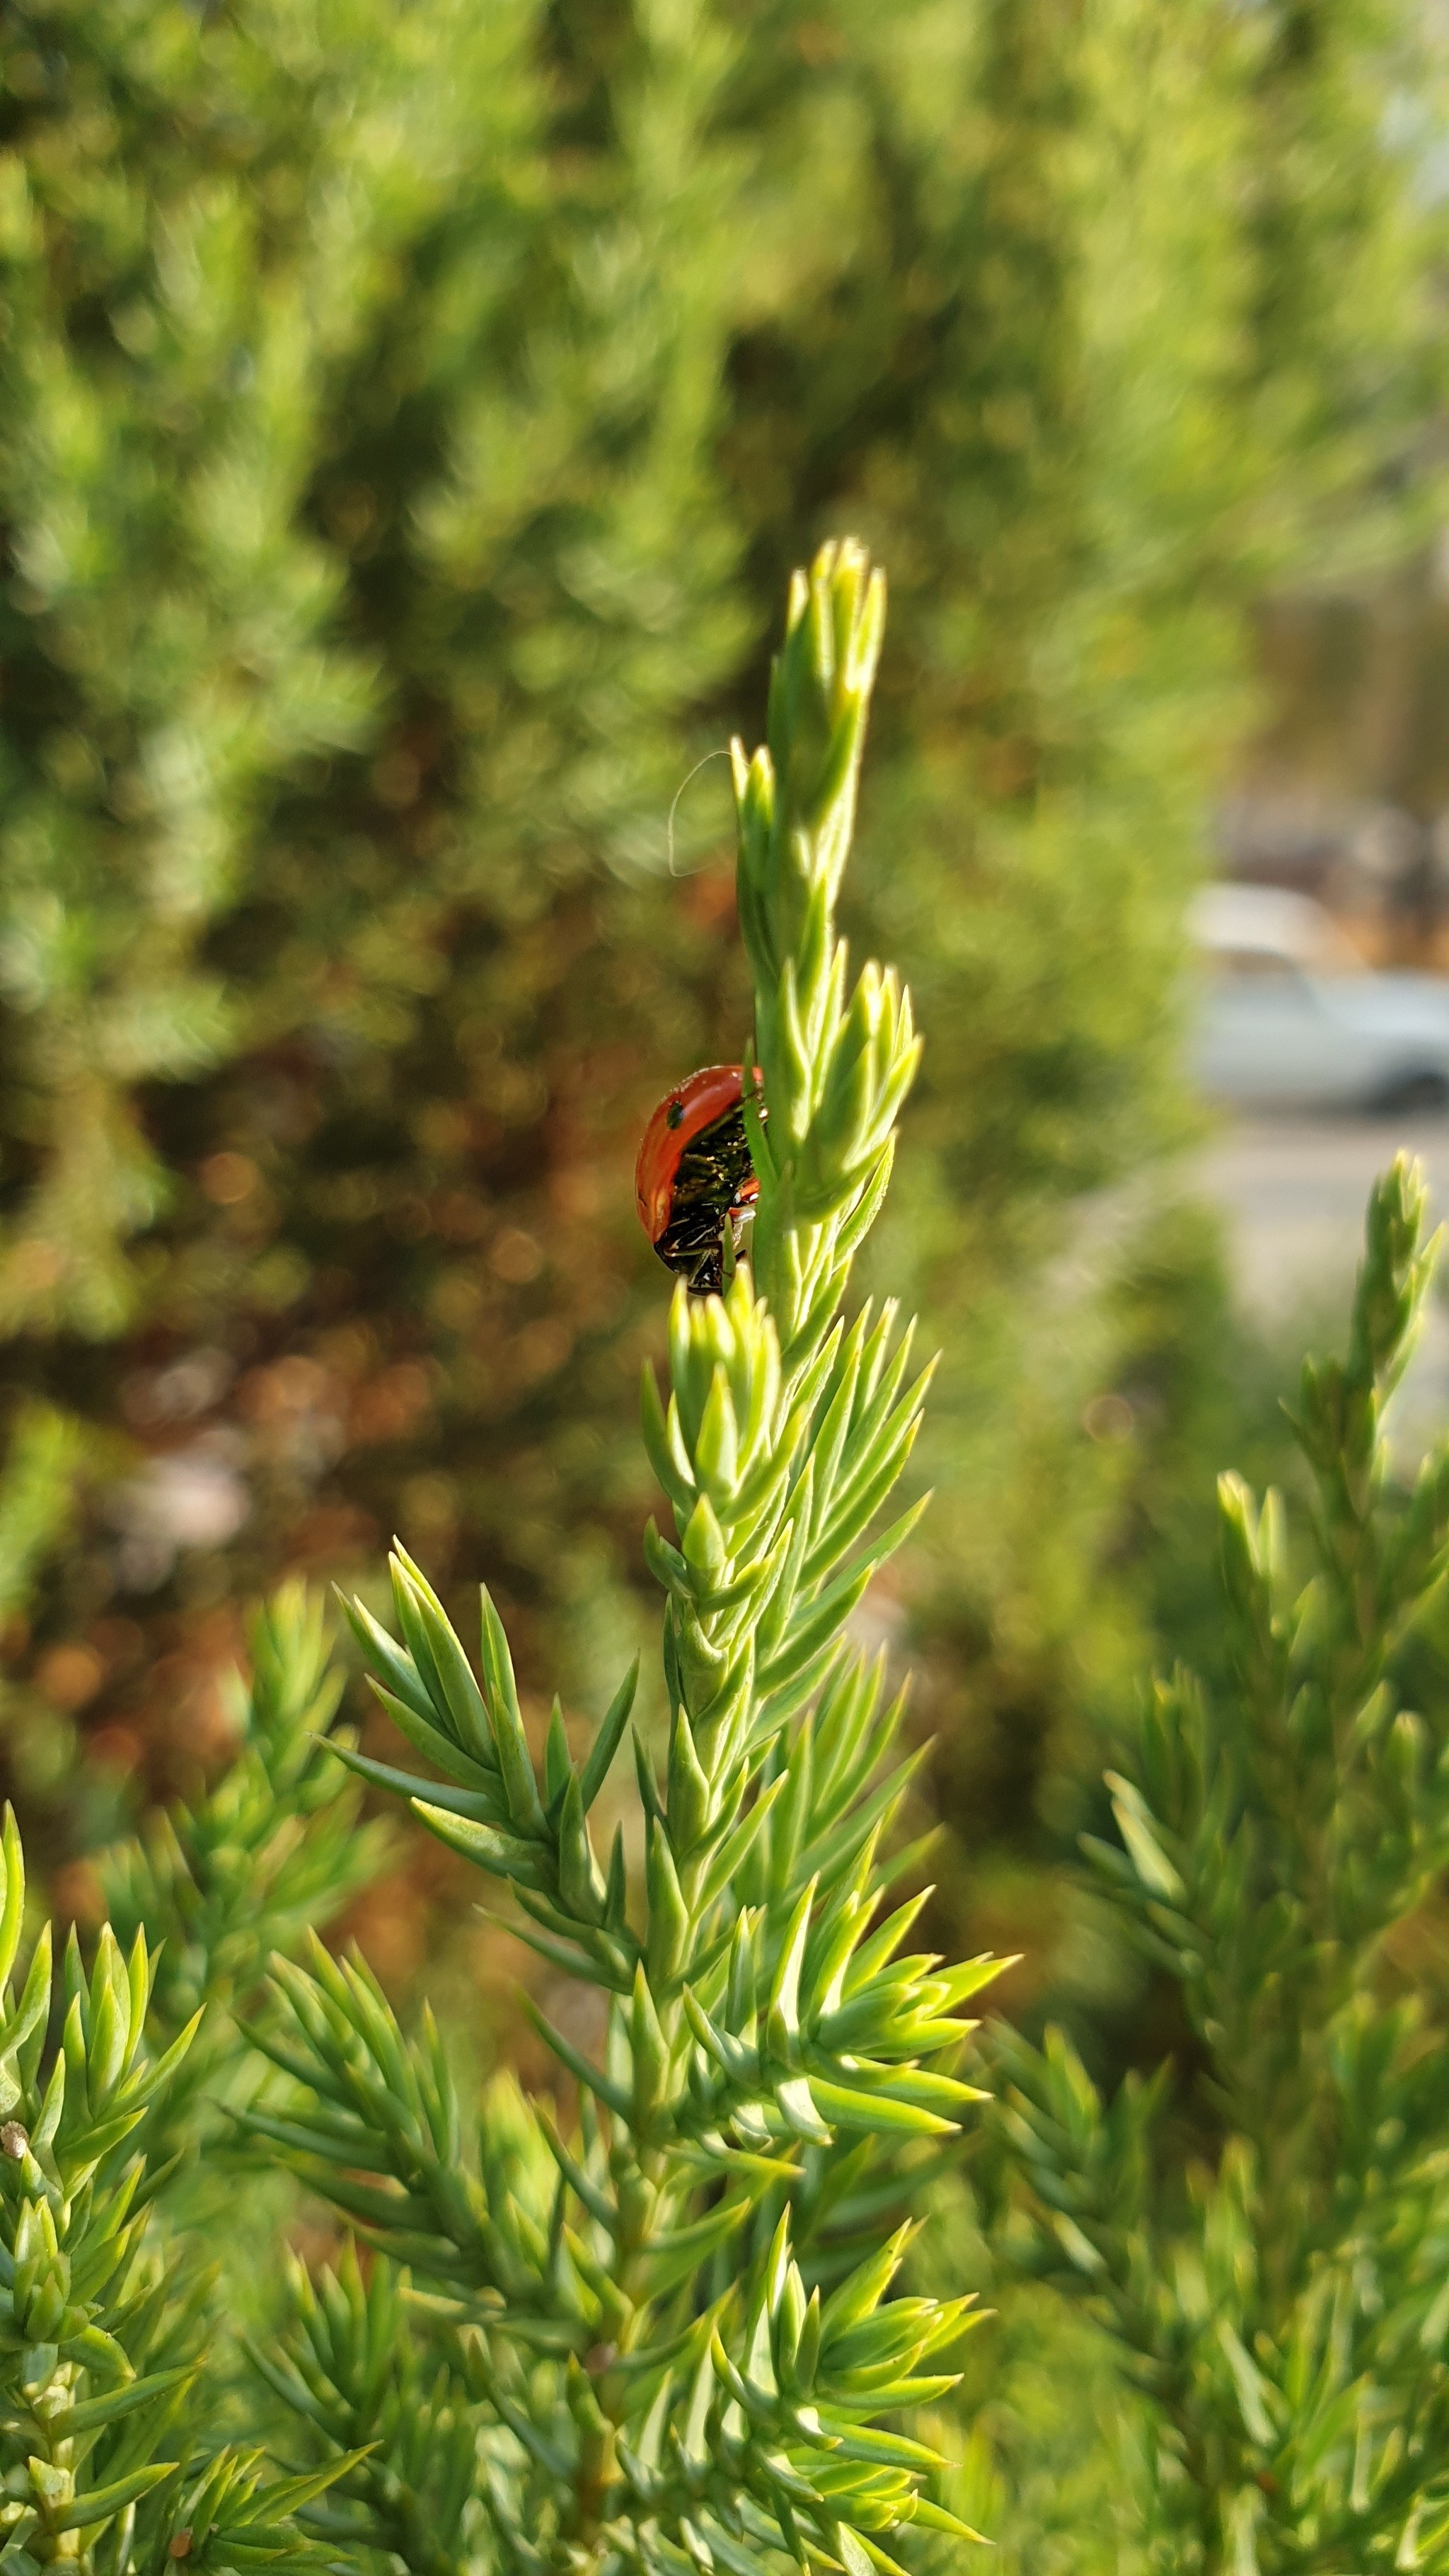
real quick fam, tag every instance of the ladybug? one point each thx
(694, 1177)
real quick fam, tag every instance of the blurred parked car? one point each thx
(1290, 1016)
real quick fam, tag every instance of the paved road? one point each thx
(1293, 1191)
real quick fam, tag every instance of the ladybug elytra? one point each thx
(694, 1178)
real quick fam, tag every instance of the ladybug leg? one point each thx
(707, 1277)
(732, 1242)
(691, 1245)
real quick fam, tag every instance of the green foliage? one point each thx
(36, 1495)
(356, 2371)
(1106, 1541)
(270, 1852)
(37, 1515)
(409, 416)
(672, 2313)
(110, 2461)
(1260, 2226)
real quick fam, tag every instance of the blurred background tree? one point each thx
(410, 413)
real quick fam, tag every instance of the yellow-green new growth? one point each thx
(835, 1071)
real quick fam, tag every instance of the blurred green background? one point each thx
(410, 415)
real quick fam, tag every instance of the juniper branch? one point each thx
(1284, 2311)
(111, 2460)
(672, 2317)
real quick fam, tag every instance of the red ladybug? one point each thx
(694, 1176)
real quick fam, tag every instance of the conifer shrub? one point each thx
(1259, 2222)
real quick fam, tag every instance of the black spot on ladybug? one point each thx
(674, 1114)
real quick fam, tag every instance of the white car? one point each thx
(1289, 1016)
